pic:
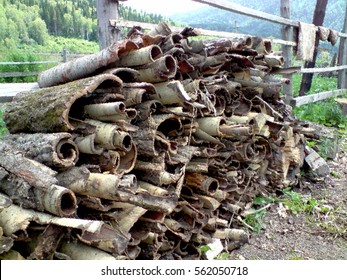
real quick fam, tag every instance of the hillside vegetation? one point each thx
(302, 10)
(32, 22)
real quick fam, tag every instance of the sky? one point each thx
(163, 7)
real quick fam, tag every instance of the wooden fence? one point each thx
(64, 56)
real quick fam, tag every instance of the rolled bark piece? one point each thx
(204, 184)
(84, 66)
(104, 109)
(141, 56)
(273, 60)
(128, 115)
(156, 174)
(323, 33)
(153, 133)
(262, 46)
(211, 125)
(56, 150)
(107, 161)
(54, 199)
(80, 251)
(172, 41)
(87, 145)
(127, 75)
(98, 185)
(134, 96)
(15, 218)
(333, 36)
(170, 93)
(208, 202)
(125, 218)
(161, 29)
(160, 70)
(34, 173)
(152, 189)
(231, 234)
(109, 136)
(33, 184)
(49, 109)
(235, 131)
(127, 159)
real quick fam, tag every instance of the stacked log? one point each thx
(146, 150)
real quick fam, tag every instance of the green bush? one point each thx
(18, 55)
(3, 128)
(326, 112)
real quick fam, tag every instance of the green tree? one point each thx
(38, 31)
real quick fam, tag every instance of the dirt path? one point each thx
(320, 234)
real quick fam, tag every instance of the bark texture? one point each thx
(172, 151)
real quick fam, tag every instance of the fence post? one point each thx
(107, 10)
(64, 54)
(342, 59)
(287, 50)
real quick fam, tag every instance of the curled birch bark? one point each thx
(84, 66)
(232, 234)
(56, 150)
(87, 145)
(204, 184)
(170, 93)
(272, 60)
(211, 125)
(49, 109)
(160, 70)
(141, 56)
(127, 159)
(80, 251)
(15, 218)
(127, 75)
(54, 199)
(104, 109)
(109, 136)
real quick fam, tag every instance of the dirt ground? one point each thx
(320, 235)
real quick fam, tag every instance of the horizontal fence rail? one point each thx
(18, 74)
(307, 99)
(29, 62)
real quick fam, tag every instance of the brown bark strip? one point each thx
(49, 109)
(55, 150)
(84, 66)
(48, 243)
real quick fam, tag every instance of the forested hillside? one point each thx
(302, 10)
(32, 21)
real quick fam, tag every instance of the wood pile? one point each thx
(146, 150)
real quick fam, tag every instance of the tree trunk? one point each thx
(318, 19)
(342, 57)
(287, 50)
(107, 10)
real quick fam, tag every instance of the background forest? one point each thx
(33, 21)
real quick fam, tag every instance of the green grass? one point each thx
(31, 53)
(319, 84)
(3, 128)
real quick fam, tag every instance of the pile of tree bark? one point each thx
(146, 150)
